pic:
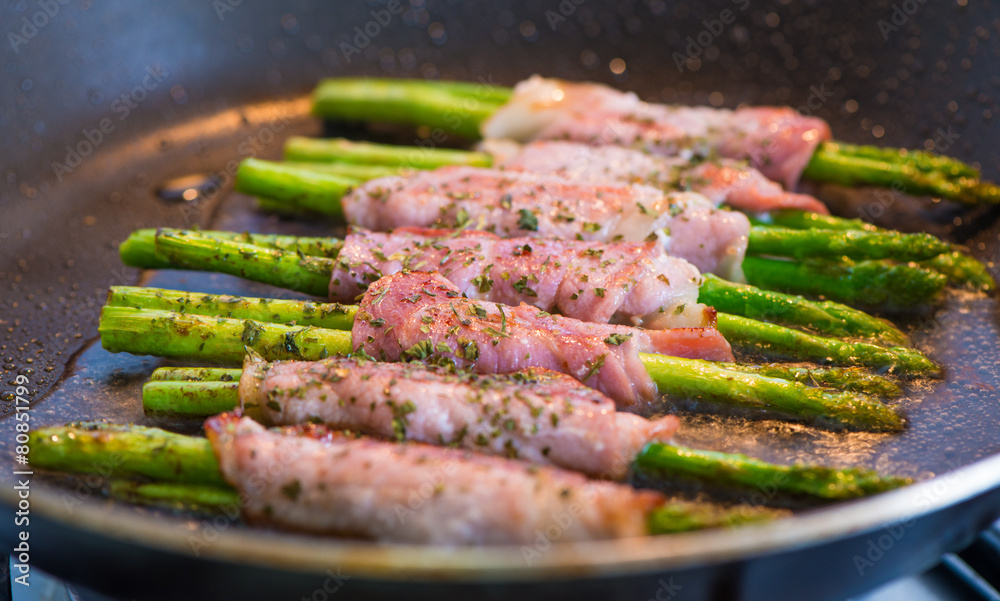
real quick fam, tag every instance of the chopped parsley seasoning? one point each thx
(617, 339)
(594, 366)
(482, 283)
(522, 287)
(527, 221)
(292, 489)
(468, 349)
(600, 292)
(420, 350)
(591, 227)
(252, 331)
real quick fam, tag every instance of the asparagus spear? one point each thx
(844, 378)
(666, 460)
(173, 495)
(304, 189)
(440, 106)
(214, 253)
(869, 283)
(684, 516)
(333, 316)
(835, 162)
(774, 341)
(189, 399)
(454, 109)
(299, 148)
(222, 340)
(125, 452)
(170, 334)
(779, 342)
(792, 401)
(824, 317)
(801, 244)
(139, 249)
(135, 451)
(962, 270)
(804, 220)
(195, 374)
(293, 271)
(358, 172)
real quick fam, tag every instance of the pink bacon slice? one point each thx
(522, 204)
(419, 315)
(308, 479)
(722, 180)
(537, 415)
(634, 283)
(778, 141)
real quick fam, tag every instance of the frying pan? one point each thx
(128, 99)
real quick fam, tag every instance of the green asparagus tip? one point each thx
(683, 516)
(736, 470)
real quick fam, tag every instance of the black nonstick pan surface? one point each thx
(105, 107)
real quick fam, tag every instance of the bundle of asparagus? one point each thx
(218, 329)
(156, 466)
(307, 265)
(829, 257)
(463, 108)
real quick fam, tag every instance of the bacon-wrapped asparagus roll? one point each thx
(512, 204)
(419, 315)
(778, 141)
(308, 478)
(538, 415)
(727, 181)
(627, 282)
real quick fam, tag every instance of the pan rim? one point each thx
(312, 554)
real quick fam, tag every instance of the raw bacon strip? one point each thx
(516, 204)
(538, 415)
(640, 284)
(308, 479)
(418, 315)
(777, 141)
(722, 180)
